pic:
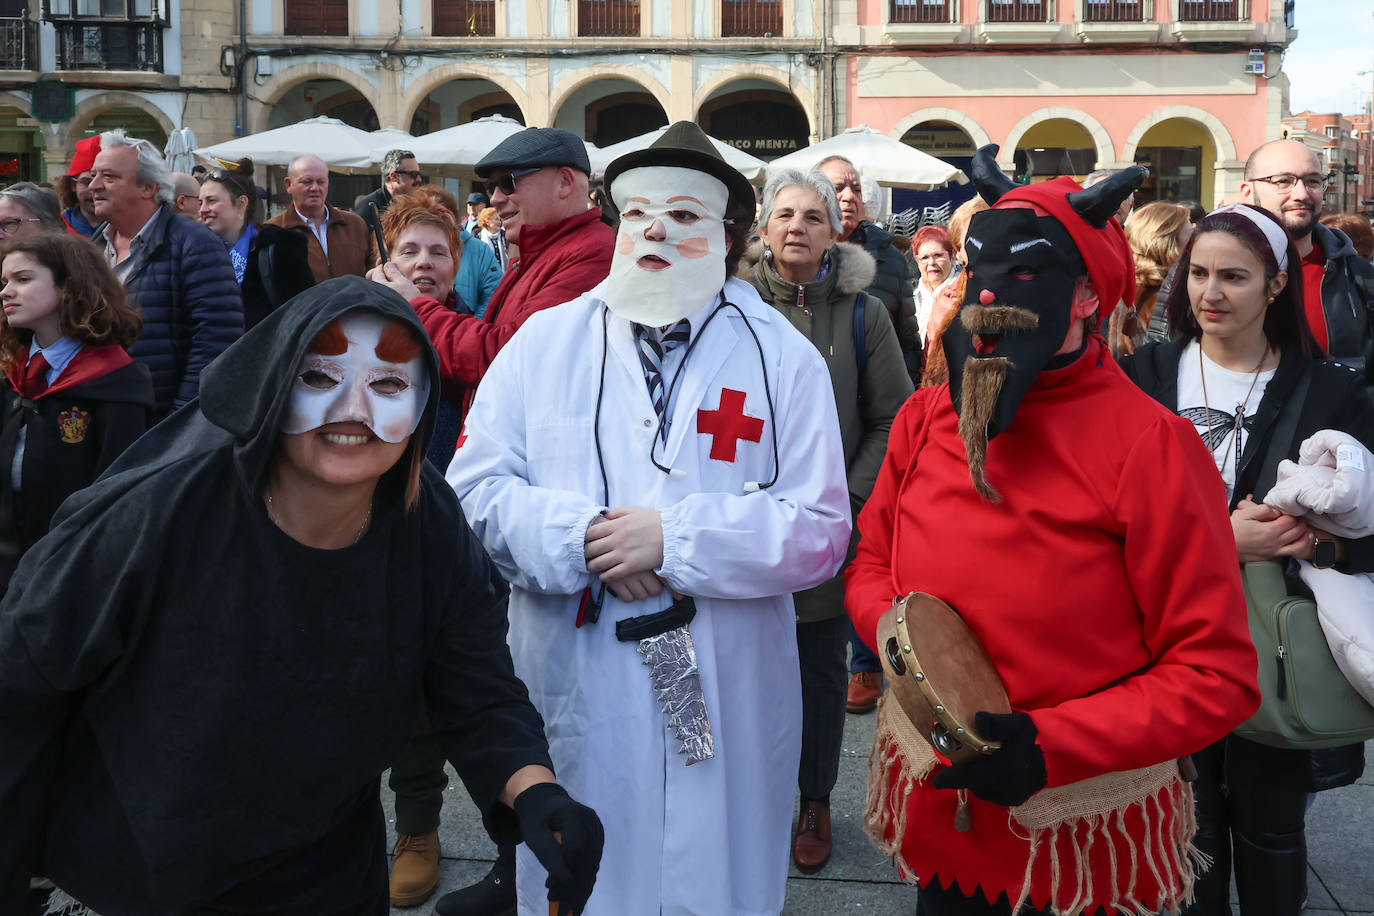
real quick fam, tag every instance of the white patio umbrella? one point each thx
(877, 155)
(177, 152)
(343, 148)
(752, 167)
(390, 138)
(463, 146)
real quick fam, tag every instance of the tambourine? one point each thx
(940, 675)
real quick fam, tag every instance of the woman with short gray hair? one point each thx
(802, 270)
(27, 209)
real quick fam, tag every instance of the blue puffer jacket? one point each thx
(184, 286)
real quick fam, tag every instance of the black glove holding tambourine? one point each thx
(1009, 775)
(566, 837)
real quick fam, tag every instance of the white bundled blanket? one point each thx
(1332, 485)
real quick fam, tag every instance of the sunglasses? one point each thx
(412, 174)
(506, 183)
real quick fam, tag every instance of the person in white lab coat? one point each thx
(585, 494)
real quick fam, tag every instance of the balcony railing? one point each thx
(465, 17)
(316, 17)
(1114, 11)
(18, 43)
(759, 18)
(1018, 10)
(921, 10)
(97, 43)
(608, 17)
(1212, 10)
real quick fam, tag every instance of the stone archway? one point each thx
(608, 72)
(418, 92)
(88, 110)
(1221, 137)
(1102, 141)
(804, 96)
(279, 85)
(957, 118)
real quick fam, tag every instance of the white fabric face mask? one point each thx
(669, 256)
(358, 386)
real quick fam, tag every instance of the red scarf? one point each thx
(88, 364)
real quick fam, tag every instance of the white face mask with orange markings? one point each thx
(359, 385)
(669, 257)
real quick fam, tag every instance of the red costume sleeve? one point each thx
(868, 588)
(466, 345)
(1181, 562)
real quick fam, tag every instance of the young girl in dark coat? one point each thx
(73, 398)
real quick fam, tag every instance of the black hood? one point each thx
(245, 390)
(243, 393)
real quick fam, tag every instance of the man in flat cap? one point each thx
(537, 181)
(655, 467)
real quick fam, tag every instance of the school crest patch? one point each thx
(72, 424)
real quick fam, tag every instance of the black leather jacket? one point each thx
(1347, 297)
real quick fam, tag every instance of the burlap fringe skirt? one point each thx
(1073, 819)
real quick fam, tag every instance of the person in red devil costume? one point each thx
(1076, 526)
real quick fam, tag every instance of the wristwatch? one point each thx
(1323, 551)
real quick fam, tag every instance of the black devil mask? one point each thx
(1017, 309)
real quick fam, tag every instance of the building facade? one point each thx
(1187, 87)
(1342, 145)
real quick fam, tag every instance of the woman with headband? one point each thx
(1241, 350)
(271, 264)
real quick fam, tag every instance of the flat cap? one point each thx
(535, 147)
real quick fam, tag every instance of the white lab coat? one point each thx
(712, 838)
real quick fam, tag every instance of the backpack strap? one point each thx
(860, 334)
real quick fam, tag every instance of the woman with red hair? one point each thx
(934, 255)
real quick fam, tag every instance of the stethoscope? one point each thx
(660, 433)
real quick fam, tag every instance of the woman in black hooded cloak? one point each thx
(223, 642)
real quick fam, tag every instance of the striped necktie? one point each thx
(652, 349)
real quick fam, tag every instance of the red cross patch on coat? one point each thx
(728, 424)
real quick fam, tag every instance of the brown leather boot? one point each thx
(864, 690)
(811, 837)
(414, 868)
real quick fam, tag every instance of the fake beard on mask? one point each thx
(367, 382)
(1022, 269)
(669, 256)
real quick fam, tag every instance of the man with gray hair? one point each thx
(25, 210)
(400, 173)
(893, 283)
(175, 270)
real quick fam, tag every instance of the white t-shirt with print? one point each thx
(1229, 393)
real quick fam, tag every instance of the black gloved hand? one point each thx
(1007, 776)
(573, 855)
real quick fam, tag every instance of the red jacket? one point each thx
(1104, 587)
(558, 262)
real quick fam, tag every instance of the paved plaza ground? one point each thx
(1340, 832)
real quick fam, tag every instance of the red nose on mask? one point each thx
(987, 297)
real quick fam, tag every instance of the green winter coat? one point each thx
(823, 310)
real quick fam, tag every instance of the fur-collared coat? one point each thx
(823, 310)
